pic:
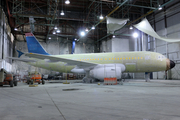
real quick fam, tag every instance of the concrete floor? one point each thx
(135, 100)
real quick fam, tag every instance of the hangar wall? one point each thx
(166, 23)
(6, 42)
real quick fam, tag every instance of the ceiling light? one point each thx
(67, 1)
(54, 32)
(114, 36)
(55, 27)
(135, 35)
(131, 28)
(75, 39)
(62, 13)
(58, 31)
(49, 37)
(15, 28)
(93, 27)
(160, 8)
(86, 30)
(101, 17)
(82, 33)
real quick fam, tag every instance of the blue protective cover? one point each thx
(73, 46)
(34, 46)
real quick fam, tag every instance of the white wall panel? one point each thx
(120, 45)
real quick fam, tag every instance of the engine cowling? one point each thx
(108, 71)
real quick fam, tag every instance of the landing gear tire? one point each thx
(15, 83)
(11, 83)
(43, 82)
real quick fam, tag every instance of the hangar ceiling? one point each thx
(41, 16)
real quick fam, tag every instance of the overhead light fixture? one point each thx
(93, 27)
(135, 35)
(101, 17)
(54, 32)
(55, 28)
(114, 36)
(131, 28)
(86, 30)
(160, 8)
(58, 31)
(82, 33)
(49, 37)
(62, 12)
(15, 28)
(75, 39)
(67, 1)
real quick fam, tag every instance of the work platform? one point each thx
(135, 100)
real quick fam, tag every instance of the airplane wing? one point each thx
(22, 59)
(80, 64)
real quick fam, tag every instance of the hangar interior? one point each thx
(40, 17)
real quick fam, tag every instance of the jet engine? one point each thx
(107, 71)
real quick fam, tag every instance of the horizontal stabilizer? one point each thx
(19, 53)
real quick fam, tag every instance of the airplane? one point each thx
(95, 65)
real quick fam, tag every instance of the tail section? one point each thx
(33, 45)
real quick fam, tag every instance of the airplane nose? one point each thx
(172, 64)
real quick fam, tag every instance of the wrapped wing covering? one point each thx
(115, 24)
(145, 27)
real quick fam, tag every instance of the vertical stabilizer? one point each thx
(33, 45)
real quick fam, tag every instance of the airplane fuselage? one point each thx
(133, 61)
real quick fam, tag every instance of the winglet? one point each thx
(19, 53)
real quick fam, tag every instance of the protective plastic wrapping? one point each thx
(145, 27)
(115, 24)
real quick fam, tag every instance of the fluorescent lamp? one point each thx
(86, 30)
(114, 36)
(131, 28)
(49, 37)
(62, 13)
(58, 31)
(55, 28)
(93, 27)
(101, 17)
(82, 33)
(160, 8)
(54, 32)
(67, 1)
(135, 35)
